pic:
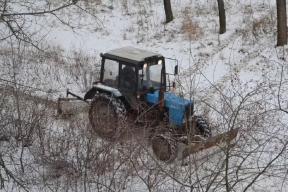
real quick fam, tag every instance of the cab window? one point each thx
(111, 71)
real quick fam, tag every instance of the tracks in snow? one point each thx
(215, 51)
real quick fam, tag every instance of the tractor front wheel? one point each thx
(202, 127)
(165, 148)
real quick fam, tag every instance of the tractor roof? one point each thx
(132, 53)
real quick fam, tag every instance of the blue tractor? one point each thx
(132, 92)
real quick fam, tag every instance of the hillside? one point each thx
(237, 80)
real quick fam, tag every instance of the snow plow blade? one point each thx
(211, 142)
(67, 107)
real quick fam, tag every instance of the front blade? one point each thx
(211, 142)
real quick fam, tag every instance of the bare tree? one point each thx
(168, 10)
(24, 20)
(222, 16)
(281, 23)
(26, 119)
(16, 22)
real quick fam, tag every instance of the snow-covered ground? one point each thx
(238, 80)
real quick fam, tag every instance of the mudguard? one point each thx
(90, 94)
(129, 101)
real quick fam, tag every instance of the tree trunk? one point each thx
(222, 16)
(168, 11)
(281, 22)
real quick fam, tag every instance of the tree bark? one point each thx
(222, 16)
(168, 11)
(281, 22)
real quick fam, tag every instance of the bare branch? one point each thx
(37, 13)
(266, 167)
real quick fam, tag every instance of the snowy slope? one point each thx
(234, 79)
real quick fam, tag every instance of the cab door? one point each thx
(128, 84)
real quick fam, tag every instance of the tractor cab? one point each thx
(132, 70)
(130, 73)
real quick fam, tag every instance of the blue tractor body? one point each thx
(177, 106)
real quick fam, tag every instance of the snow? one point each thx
(234, 79)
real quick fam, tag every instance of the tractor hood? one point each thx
(176, 105)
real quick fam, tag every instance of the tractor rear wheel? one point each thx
(202, 127)
(165, 148)
(107, 116)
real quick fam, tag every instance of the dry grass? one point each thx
(263, 25)
(98, 2)
(191, 30)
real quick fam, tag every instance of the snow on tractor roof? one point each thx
(132, 53)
